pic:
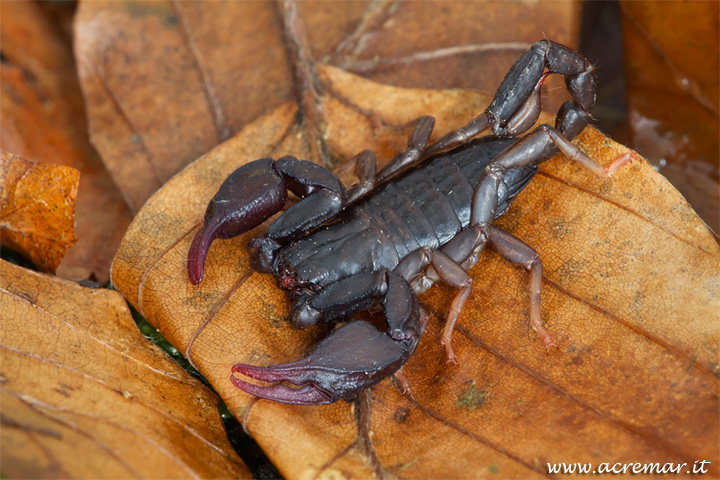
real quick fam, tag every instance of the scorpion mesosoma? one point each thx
(425, 217)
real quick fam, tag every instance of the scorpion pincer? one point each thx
(425, 217)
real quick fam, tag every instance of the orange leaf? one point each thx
(37, 209)
(84, 395)
(631, 292)
(43, 120)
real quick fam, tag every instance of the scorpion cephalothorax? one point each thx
(425, 217)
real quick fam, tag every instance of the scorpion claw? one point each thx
(353, 358)
(237, 207)
(198, 250)
(307, 395)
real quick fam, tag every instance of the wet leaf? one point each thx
(673, 94)
(37, 209)
(167, 81)
(630, 296)
(43, 120)
(84, 395)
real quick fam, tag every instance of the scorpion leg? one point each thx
(540, 144)
(518, 252)
(365, 160)
(258, 190)
(365, 167)
(415, 149)
(526, 152)
(472, 240)
(450, 272)
(353, 357)
(459, 136)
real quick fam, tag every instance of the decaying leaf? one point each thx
(166, 81)
(84, 395)
(631, 297)
(37, 209)
(43, 120)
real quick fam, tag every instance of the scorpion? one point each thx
(425, 217)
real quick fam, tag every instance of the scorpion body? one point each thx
(425, 217)
(424, 208)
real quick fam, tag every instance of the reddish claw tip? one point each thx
(354, 357)
(248, 197)
(306, 395)
(196, 260)
(198, 252)
(296, 373)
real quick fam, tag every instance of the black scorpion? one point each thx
(425, 217)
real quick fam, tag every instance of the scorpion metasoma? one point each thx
(425, 217)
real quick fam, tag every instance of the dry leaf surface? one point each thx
(43, 120)
(37, 209)
(84, 395)
(167, 81)
(631, 289)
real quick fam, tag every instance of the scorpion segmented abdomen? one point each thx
(402, 210)
(458, 187)
(432, 201)
(395, 201)
(428, 206)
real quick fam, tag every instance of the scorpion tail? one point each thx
(353, 358)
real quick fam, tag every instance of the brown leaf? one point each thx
(44, 121)
(673, 94)
(447, 44)
(163, 80)
(37, 209)
(167, 81)
(84, 395)
(631, 292)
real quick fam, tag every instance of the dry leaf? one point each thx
(167, 81)
(162, 80)
(673, 95)
(84, 395)
(37, 209)
(43, 120)
(631, 293)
